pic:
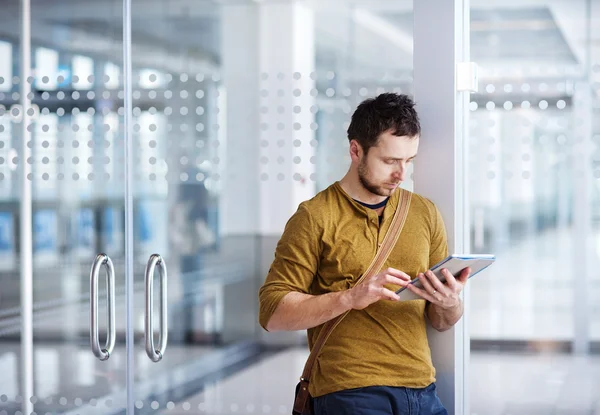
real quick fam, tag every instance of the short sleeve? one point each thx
(295, 264)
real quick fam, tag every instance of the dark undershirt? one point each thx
(377, 206)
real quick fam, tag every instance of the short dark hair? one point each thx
(386, 112)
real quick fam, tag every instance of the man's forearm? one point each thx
(443, 319)
(298, 311)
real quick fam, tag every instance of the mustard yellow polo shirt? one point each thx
(326, 246)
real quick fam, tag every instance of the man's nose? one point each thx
(400, 173)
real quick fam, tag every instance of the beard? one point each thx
(363, 176)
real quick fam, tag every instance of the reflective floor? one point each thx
(520, 384)
(530, 292)
(502, 384)
(99, 383)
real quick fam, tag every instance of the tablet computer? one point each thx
(455, 264)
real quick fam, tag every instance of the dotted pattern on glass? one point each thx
(177, 128)
(69, 135)
(528, 142)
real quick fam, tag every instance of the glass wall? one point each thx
(240, 112)
(534, 197)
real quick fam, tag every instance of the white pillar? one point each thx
(582, 220)
(440, 170)
(240, 72)
(268, 60)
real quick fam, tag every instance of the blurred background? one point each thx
(240, 110)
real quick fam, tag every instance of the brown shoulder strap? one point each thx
(389, 241)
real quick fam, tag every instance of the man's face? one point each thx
(383, 169)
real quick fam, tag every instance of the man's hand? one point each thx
(298, 311)
(372, 289)
(443, 295)
(444, 308)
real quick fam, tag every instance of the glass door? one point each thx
(77, 180)
(10, 298)
(67, 150)
(189, 275)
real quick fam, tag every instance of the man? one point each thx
(377, 360)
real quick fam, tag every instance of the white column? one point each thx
(268, 60)
(582, 221)
(240, 72)
(287, 63)
(585, 259)
(440, 170)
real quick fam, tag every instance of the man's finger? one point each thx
(464, 275)
(390, 279)
(450, 280)
(426, 284)
(399, 274)
(389, 294)
(436, 284)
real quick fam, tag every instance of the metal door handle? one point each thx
(100, 261)
(153, 353)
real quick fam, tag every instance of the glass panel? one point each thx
(179, 146)
(349, 70)
(77, 193)
(239, 108)
(10, 298)
(534, 202)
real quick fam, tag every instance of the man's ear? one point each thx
(356, 151)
